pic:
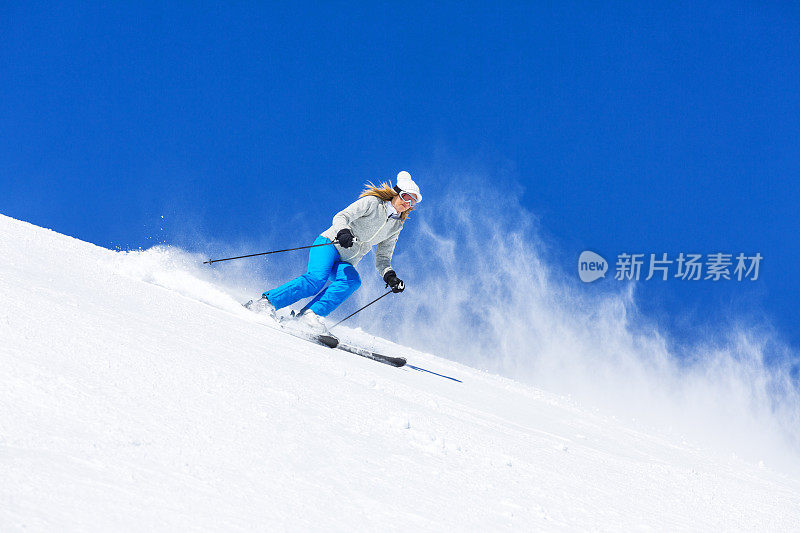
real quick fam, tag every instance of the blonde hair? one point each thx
(384, 192)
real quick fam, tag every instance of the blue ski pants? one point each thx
(323, 264)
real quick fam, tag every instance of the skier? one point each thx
(376, 218)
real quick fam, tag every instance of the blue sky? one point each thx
(624, 127)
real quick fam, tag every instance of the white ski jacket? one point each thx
(369, 220)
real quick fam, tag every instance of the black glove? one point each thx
(345, 238)
(393, 281)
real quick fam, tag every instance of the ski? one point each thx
(328, 340)
(386, 359)
(332, 342)
(325, 340)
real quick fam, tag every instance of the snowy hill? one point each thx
(135, 395)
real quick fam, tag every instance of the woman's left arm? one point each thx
(383, 254)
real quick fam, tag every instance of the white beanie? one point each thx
(405, 183)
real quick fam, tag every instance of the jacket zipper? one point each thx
(360, 243)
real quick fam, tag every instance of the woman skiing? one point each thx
(375, 219)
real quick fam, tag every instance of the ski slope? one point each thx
(136, 394)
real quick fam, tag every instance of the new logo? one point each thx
(591, 266)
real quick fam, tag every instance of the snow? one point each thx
(137, 394)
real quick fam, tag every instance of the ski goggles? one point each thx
(408, 197)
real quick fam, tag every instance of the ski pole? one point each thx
(348, 316)
(267, 253)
